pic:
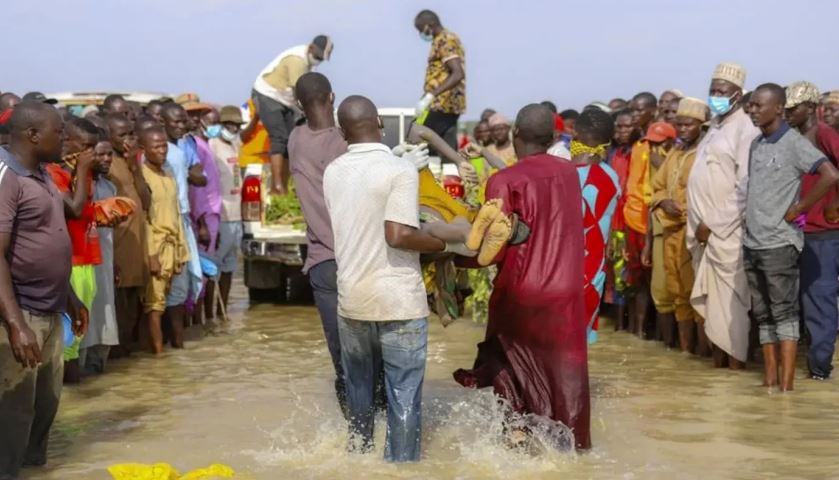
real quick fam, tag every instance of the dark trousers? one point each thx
(819, 289)
(29, 396)
(773, 283)
(443, 124)
(324, 280)
(127, 304)
(278, 120)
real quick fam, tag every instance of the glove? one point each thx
(416, 154)
(460, 249)
(467, 172)
(424, 103)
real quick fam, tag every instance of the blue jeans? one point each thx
(401, 347)
(819, 288)
(323, 278)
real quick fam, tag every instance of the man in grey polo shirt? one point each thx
(34, 284)
(779, 158)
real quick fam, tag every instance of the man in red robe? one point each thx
(534, 355)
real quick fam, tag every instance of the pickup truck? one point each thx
(274, 254)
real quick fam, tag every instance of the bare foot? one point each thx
(488, 213)
(496, 237)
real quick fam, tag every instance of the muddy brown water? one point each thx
(258, 396)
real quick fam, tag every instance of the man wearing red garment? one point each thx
(534, 355)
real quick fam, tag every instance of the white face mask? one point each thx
(227, 135)
(314, 61)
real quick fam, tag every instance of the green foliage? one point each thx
(285, 210)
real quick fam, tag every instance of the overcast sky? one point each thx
(517, 51)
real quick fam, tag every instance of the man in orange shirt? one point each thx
(636, 212)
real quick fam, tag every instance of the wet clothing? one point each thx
(717, 197)
(400, 348)
(129, 236)
(535, 351)
(39, 257)
(29, 396)
(600, 189)
(773, 283)
(323, 278)
(670, 182)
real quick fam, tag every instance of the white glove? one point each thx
(417, 155)
(424, 103)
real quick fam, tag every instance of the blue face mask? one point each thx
(426, 36)
(719, 105)
(213, 131)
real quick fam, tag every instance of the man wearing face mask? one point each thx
(444, 99)
(716, 208)
(276, 101)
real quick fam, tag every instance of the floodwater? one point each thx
(258, 396)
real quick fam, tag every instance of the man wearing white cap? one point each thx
(276, 103)
(716, 207)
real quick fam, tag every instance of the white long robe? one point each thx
(717, 197)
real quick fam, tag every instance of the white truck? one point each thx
(274, 254)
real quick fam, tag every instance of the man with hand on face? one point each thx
(130, 236)
(444, 99)
(669, 205)
(73, 176)
(276, 101)
(35, 263)
(819, 261)
(779, 159)
(716, 206)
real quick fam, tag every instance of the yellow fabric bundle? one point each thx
(164, 471)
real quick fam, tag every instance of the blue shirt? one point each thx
(178, 163)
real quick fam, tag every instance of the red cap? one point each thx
(659, 132)
(559, 124)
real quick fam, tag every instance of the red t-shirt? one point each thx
(83, 234)
(827, 140)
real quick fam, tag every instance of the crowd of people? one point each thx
(121, 226)
(701, 224)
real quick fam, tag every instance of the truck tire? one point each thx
(266, 295)
(299, 289)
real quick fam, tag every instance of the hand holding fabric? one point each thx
(424, 103)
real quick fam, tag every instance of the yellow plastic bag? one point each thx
(164, 471)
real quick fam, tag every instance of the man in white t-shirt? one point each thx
(225, 149)
(276, 103)
(371, 196)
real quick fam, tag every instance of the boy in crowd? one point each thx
(167, 249)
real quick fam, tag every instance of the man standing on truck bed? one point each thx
(311, 148)
(444, 94)
(276, 102)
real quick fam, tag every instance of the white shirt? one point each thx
(286, 96)
(363, 188)
(230, 178)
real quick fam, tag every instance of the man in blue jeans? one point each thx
(371, 196)
(819, 262)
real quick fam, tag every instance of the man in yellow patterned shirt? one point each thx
(445, 78)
